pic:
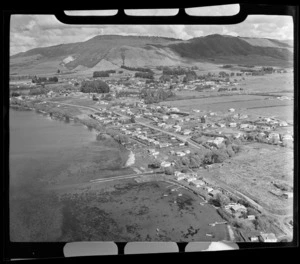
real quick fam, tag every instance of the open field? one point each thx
(269, 82)
(259, 105)
(252, 171)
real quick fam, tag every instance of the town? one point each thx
(161, 116)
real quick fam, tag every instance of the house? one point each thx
(235, 207)
(288, 195)
(187, 132)
(243, 126)
(283, 123)
(232, 124)
(180, 153)
(164, 145)
(231, 110)
(251, 217)
(191, 178)
(209, 189)
(197, 183)
(165, 164)
(287, 137)
(214, 193)
(187, 151)
(267, 237)
(254, 239)
(274, 136)
(180, 176)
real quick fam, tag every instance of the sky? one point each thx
(32, 31)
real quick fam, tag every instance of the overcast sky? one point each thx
(32, 31)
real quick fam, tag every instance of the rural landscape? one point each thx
(165, 140)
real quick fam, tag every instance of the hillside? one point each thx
(111, 51)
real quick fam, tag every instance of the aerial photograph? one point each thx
(151, 132)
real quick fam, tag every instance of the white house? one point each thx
(165, 164)
(267, 237)
(198, 183)
(232, 124)
(191, 178)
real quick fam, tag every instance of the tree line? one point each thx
(39, 80)
(155, 95)
(139, 69)
(103, 73)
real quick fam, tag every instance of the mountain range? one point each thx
(106, 52)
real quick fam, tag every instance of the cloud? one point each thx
(32, 31)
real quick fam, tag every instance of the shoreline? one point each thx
(69, 118)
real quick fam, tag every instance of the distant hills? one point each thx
(111, 51)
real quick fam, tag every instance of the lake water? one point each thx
(46, 155)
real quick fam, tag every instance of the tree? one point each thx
(185, 161)
(222, 199)
(95, 86)
(132, 119)
(219, 156)
(154, 165)
(230, 150)
(169, 170)
(15, 94)
(58, 71)
(100, 74)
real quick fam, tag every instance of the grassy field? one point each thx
(252, 172)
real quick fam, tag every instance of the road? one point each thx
(121, 177)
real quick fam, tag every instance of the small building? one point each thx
(236, 207)
(254, 239)
(191, 178)
(197, 183)
(243, 126)
(283, 123)
(288, 195)
(180, 154)
(267, 237)
(232, 124)
(209, 189)
(251, 217)
(231, 110)
(165, 164)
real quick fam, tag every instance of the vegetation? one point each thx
(146, 75)
(95, 86)
(15, 94)
(155, 95)
(139, 69)
(102, 73)
(37, 91)
(175, 71)
(97, 74)
(39, 80)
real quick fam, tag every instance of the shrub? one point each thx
(169, 170)
(145, 75)
(100, 74)
(15, 94)
(237, 148)
(95, 86)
